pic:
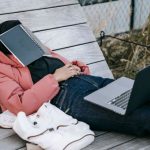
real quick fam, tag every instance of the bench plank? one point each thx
(4, 133)
(101, 69)
(66, 36)
(87, 53)
(44, 18)
(108, 140)
(99, 133)
(9, 6)
(11, 143)
(136, 144)
(24, 148)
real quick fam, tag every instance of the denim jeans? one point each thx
(70, 99)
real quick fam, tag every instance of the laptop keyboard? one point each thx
(122, 100)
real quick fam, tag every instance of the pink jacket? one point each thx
(17, 91)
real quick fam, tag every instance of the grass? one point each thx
(125, 59)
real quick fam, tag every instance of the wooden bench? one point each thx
(62, 26)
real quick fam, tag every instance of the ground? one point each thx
(127, 59)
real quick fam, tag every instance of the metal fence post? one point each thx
(132, 14)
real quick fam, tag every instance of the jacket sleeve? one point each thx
(84, 68)
(15, 99)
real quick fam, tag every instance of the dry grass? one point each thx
(127, 59)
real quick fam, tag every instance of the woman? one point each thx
(65, 84)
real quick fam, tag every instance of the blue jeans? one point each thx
(70, 100)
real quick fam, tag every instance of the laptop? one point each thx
(124, 95)
(23, 44)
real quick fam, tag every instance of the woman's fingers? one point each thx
(71, 66)
(74, 72)
(66, 72)
(77, 68)
(70, 70)
(68, 65)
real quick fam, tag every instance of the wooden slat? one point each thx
(87, 53)
(108, 140)
(66, 37)
(136, 144)
(4, 133)
(24, 148)
(8, 6)
(99, 133)
(101, 69)
(11, 143)
(31, 146)
(48, 18)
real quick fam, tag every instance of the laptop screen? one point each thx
(141, 90)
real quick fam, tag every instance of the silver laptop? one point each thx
(124, 95)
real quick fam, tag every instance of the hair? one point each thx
(4, 26)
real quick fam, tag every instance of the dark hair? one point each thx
(3, 28)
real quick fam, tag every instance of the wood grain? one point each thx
(66, 36)
(136, 144)
(4, 133)
(101, 69)
(108, 140)
(48, 18)
(9, 6)
(99, 133)
(23, 148)
(87, 53)
(11, 143)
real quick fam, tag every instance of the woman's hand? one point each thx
(66, 72)
(84, 68)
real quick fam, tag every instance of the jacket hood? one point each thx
(9, 60)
